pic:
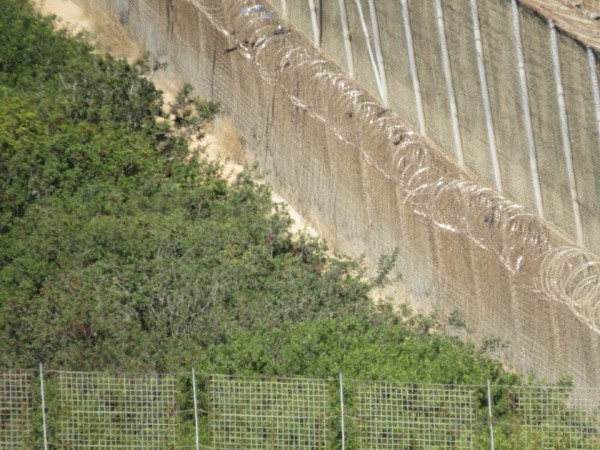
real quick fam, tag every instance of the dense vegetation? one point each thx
(119, 252)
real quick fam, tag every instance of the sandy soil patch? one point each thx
(105, 32)
(222, 140)
(70, 15)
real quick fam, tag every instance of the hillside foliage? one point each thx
(122, 252)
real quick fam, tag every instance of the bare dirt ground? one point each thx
(222, 140)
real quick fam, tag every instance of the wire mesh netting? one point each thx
(16, 404)
(392, 416)
(96, 410)
(254, 413)
(370, 183)
(544, 417)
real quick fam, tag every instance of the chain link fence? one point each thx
(77, 410)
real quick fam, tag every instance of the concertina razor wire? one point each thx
(432, 185)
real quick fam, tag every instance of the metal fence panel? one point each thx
(262, 413)
(393, 416)
(545, 420)
(16, 409)
(104, 411)
(97, 410)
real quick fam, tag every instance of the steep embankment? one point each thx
(221, 138)
(117, 252)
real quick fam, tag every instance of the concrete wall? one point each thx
(370, 183)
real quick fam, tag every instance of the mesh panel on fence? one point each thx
(16, 407)
(391, 416)
(545, 419)
(253, 413)
(96, 410)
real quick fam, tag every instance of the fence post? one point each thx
(284, 9)
(595, 88)
(374, 64)
(413, 66)
(526, 110)
(490, 415)
(458, 148)
(564, 131)
(44, 426)
(347, 40)
(316, 26)
(196, 421)
(378, 52)
(342, 412)
(485, 95)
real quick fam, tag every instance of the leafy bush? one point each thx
(118, 252)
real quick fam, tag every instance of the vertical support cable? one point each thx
(378, 52)
(413, 66)
(346, 34)
(487, 109)
(490, 415)
(363, 24)
(564, 131)
(449, 84)
(284, 10)
(196, 421)
(595, 88)
(44, 424)
(526, 109)
(314, 19)
(342, 412)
